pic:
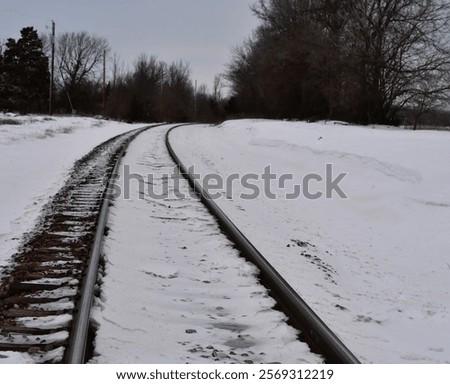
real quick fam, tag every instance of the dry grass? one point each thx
(9, 122)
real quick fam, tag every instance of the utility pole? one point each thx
(52, 70)
(195, 101)
(104, 82)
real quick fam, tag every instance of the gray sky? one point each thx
(201, 32)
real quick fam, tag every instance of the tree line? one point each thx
(152, 90)
(362, 61)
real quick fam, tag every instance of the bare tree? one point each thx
(218, 86)
(147, 82)
(400, 45)
(362, 60)
(178, 93)
(117, 69)
(153, 91)
(79, 57)
(282, 16)
(428, 95)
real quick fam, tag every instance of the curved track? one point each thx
(315, 332)
(40, 302)
(45, 303)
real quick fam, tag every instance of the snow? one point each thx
(36, 156)
(15, 358)
(174, 288)
(374, 266)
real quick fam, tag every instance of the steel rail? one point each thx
(318, 335)
(76, 351)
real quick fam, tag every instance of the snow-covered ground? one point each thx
(175, 290)
(376, 265)
(36, 156)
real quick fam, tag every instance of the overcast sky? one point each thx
(201, 32)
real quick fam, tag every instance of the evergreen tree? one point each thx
(24, 74)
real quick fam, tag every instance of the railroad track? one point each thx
(41, 296)
(45, 303)
(313, 330)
